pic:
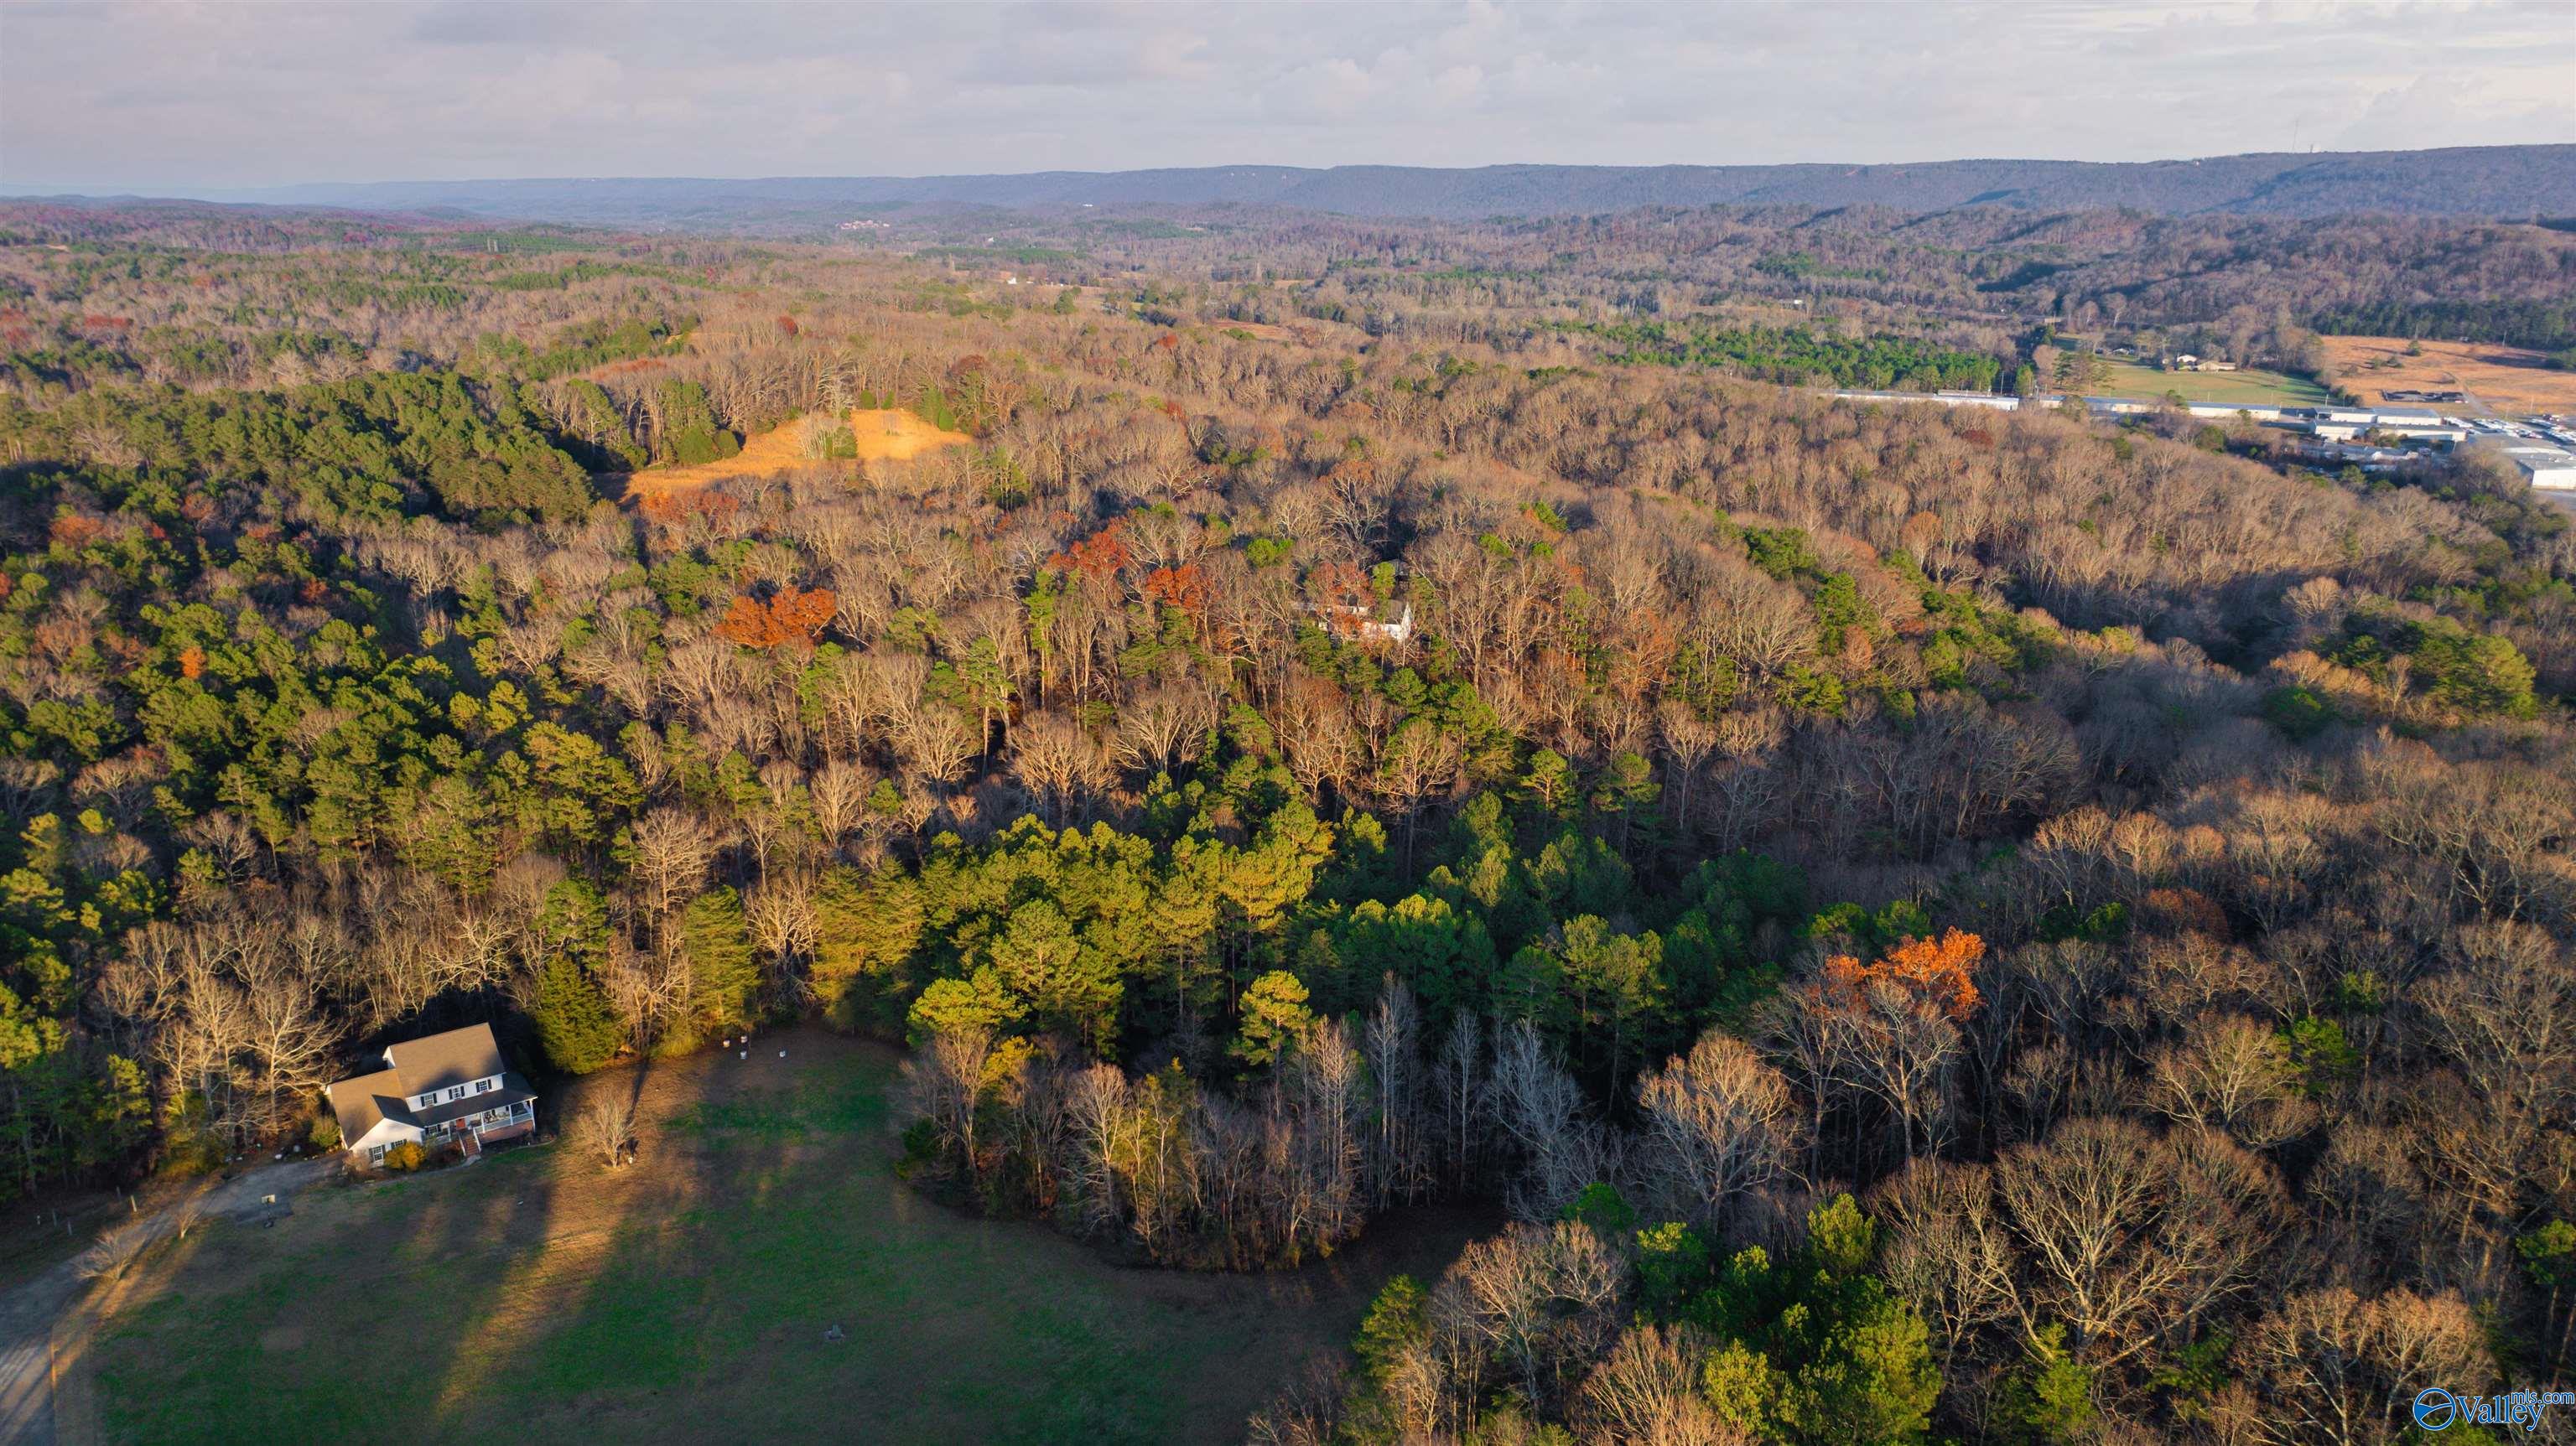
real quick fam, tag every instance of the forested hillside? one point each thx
(1933, 924)
(2222, 284)
(2509, 181)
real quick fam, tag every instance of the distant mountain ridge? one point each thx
(2499, 181)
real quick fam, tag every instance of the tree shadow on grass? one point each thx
(762, 1215)
(288, 1331)
(539, 1296)
(777, 1215)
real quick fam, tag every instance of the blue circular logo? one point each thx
(2436, 1409)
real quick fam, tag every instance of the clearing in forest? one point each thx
(2252, 386)
(891, 434)
(692, 1295)
(2505, 378)
(881, 434)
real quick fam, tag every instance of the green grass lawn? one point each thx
(535, 1297)
(2128, 379)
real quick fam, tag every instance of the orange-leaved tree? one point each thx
(1184, 587)
(1937, 971)
(790, 617)
(1098, 556)
(677, 508)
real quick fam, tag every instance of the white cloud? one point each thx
(217, 95)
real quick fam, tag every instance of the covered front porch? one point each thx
(490, 1126)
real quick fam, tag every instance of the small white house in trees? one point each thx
(432, 1090)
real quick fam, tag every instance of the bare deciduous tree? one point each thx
(2328, 1368)
(1647, 1393)
(673, 848)
(604, 1128)
(1721, 1125)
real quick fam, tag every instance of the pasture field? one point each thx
(2507, 379)
(2248, 387)
(883, 434)
(538, 1297)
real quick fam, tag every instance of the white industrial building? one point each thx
(2429, 429)
(2553, 468)
(2326, 424)
(1994, 400)
(2216, 411)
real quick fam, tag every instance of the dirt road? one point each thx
(33, 1312)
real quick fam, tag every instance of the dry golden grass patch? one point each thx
(2506, 378)
(885, 434)
(890, 434)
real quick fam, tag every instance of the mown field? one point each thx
(537, 1297)
(2252, 386)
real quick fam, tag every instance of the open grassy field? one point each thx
(888, 434)
(2507, 379)
(536, 1297)
(2249, 387)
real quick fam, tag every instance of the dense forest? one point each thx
(2229, 279)
(2224, 284)
(1933, 925)
(2539, 326)
(1794, 356)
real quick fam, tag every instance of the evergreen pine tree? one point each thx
(574, 1021)
(722, 972)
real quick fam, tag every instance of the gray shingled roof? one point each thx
(362, 1101)
(440, 1060)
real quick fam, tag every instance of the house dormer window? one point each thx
(482, 1085)
(457, 1093)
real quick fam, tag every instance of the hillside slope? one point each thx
(2509, 181)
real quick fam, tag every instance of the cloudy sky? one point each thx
(191, 97)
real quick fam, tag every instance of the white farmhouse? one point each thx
(442, 1087)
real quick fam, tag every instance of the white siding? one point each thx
(385, 1132)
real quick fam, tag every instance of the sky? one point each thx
(192, 98)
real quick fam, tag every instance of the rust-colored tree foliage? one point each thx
(1184, 587)
(1339, 585)
(2186, 911)
(73, 529)
(673, 509)
(1937, 971)
(791, 617)
(1099, 556)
